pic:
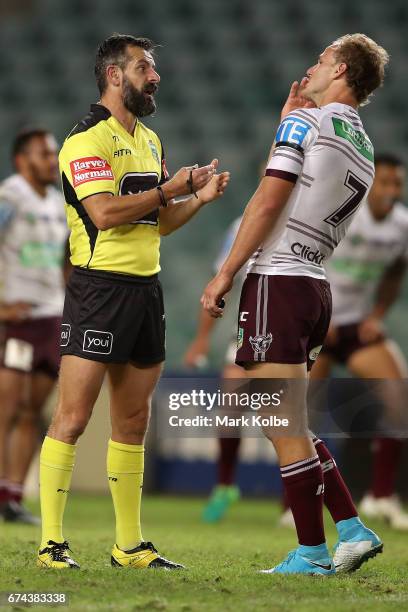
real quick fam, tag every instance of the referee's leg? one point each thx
(131, 389)
(80, 382)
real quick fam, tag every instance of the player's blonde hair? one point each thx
(366, 61)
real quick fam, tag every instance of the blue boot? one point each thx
(356, 544)
(305, 560)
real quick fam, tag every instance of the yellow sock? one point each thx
(56, 465)
(125, 464)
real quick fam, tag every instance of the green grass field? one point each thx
(222, 562)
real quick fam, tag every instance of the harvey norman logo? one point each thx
(90, 169)
(96, 341)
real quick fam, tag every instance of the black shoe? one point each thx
(13, 512)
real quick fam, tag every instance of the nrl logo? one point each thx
(261, 343)
(314, 353)
(154, 151)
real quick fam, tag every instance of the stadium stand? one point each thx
(226, 68)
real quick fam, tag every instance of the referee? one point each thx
(119, 201)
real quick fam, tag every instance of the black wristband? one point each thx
(190, 184)
(163, 201)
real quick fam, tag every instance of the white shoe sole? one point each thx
(354, 561)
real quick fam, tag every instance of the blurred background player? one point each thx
(365, 274)
(33, 233)
(226, 491)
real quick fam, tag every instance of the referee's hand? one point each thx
(181, 184)
(215, 188)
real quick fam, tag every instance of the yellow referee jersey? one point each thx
(99, 155)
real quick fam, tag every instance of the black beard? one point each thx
(135, 100)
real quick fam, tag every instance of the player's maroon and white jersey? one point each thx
(357, 265)
(327, 154)
(33, 232)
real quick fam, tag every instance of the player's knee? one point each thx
(29, 415)
(70, 425)
(75, 426)
(270, 434)
(136, 423)
(9, 411)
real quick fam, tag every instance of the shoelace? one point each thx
(148, 546)
(289, 558)
(59, 550)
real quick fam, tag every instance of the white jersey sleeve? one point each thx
(401, 214)
(6, 213)
(296, 134)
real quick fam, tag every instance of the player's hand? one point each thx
(215, 187)
(370, 330)
(16, 312)
(295, 98)
(180, 184)
(196, 354)
(214, 292)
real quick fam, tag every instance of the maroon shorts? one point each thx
(282, 319)
(347, 343)
(32, 346)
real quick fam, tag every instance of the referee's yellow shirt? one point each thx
(99, 155)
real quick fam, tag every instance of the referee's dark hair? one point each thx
(389, 159)
(113, 51)
(23, 138)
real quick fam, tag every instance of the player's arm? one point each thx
(389, 287)
(177, 214)
(199, 347)
(260, 217)
(294, 137)
(387, 293)
(107, 210)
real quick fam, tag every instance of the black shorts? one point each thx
(113, 318)
(347, 342)
(282, 319)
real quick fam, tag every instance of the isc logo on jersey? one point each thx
(292, 130)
